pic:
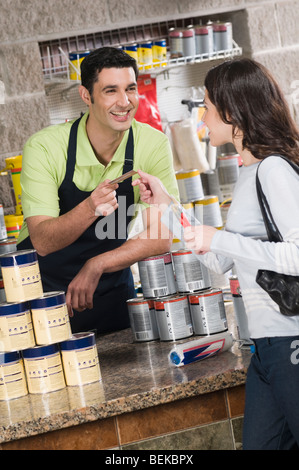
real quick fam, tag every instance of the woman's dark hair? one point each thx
(104, 57)
(248, 97)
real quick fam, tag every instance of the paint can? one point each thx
(50, 318)
(173, 318)
(204, 43)
(13, 225)
(222, 36)
(143, 319)
(21, 275)
(188, 43)
(208, 312)
(16, 329)
(8, 245)
(76, 57)
(12, 376)
(191, 275)
(43, 369)
(3, 231)
(159, 53)
(131, 50)
(239, 310)
(189, 184)
(175, 43)
(145, 55)
(157, 276)
(15, 166)
(207, 211)
(80, 359)
(228, 173)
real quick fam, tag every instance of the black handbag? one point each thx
(282, 288)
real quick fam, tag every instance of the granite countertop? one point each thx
(134, 376)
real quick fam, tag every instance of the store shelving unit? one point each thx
(172, 77)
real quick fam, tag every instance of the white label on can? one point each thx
(175, 321)
(51, 325)
(81, 366)
(143, 322)
(22, 282)
(16, 332)
(208, 315)
(12, 380)
(157, 278)
(44, 374)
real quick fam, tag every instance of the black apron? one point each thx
(109, 312)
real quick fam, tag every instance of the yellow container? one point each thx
(13, 225)
(76, 58)
(14, 164)
(159, 53)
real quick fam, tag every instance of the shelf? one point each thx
(59, 72)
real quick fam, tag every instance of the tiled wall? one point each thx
(206, 422)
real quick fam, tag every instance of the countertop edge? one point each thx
(134, 402)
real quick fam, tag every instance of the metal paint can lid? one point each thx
(78, 341)
(18, 258)
(6, 358)
(40, 351)
(13, 308)
(49, 299)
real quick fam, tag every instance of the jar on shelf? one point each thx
(175, 43)
(188, 42)
(204, 43)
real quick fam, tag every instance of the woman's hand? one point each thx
(151, 189)
(199, 238)
(102, 200)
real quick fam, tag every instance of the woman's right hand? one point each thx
(102, 200)
(151, 189)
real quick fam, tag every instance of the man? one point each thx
(74, 218)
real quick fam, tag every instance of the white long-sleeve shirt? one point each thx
(244, 242)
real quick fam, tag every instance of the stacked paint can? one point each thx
(240, 313)
(177, 299)
(204, 207)
(35, 330)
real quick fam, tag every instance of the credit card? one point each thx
(123, 177)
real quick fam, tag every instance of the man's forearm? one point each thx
(131, 251)
(50, 234)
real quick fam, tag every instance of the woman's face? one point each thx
(220, 133)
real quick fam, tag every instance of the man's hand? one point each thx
(80, 291)
(102, 200)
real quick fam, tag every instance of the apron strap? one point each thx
(72, 151)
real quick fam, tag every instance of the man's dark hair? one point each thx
(104, 57)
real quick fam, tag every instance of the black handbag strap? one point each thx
(274, 234)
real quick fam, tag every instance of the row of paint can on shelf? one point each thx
(200, 40)
(48, 368)
(175, 285)
(147, 54)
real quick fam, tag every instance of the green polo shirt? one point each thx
(44, 165)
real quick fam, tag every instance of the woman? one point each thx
(244, 106)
